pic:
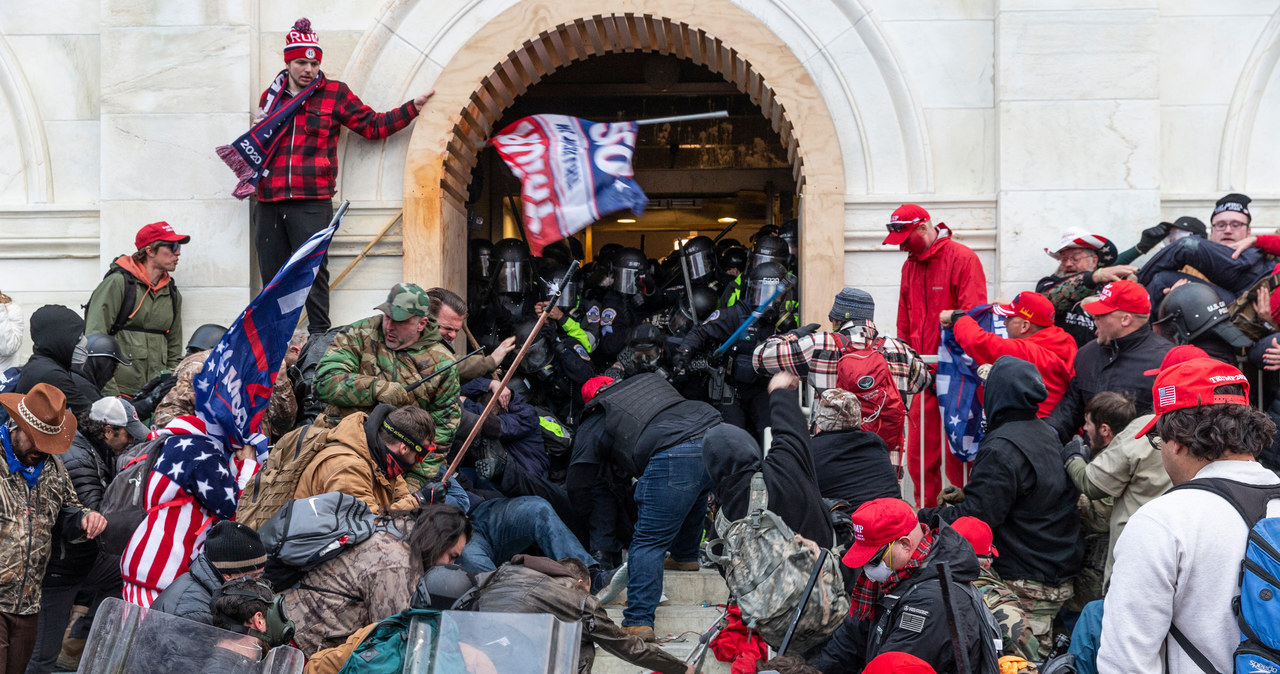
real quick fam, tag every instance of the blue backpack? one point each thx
(1257, 609)
(383, 650)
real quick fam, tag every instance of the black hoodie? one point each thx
(55, 331)
(1018, 485)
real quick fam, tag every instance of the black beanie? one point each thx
(232, 548)
(1234, 202)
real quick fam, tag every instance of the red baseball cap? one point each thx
(978, 533)
(1120, 296)
(158, 231)
(875, 524)
(897, 662)
(1192, 384)
(903, 222)
(1029, 305)
(593, 385)
(1177, 356)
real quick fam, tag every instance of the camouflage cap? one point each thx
(405, 300)
(837, 410)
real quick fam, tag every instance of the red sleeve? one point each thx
(262, 100)
(970, 281)
(362, 119)
(984, 346)
(1268, 243)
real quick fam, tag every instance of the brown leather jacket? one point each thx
(517, 588)
(346, 465)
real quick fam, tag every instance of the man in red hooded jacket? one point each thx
(939, 275)
(1032, 337)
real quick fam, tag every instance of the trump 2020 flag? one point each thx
(957, 386)
(572, 172)
(233, 388)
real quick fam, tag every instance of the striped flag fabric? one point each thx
(957, 387)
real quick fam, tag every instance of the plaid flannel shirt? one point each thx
(305, 163)
(815, 356)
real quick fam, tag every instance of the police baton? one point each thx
(958, 650)
(440, 370)
(782, 288)
(488, 408)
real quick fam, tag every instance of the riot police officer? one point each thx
(623, 293)
(511, 294)
(1193, 313)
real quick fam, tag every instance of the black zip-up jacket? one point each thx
(1018, 485)
(55, 330)
(1117, 366)
(913, 617)
(853, 466)
(189, 595)
(91, 470)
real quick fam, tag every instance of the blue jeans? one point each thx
(671, 500)
(504, 527)
(1086, 637)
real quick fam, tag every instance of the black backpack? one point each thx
(308, 532)
(303, 375)
(129, 303)
(123, 502)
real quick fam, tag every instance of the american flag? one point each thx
(1165, 396)
(193, 485)
(957, 387)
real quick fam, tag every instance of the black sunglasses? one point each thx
(904, 226)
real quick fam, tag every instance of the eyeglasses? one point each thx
(1078, 256)
(172, 245)
(1155, 441)
(904, 226)
(1221, 226)
(882, 555)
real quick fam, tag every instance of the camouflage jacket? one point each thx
(342, 595)
(1011, 613)
(355, 372)
(282, 408)
(1065, 291)
(27, 520)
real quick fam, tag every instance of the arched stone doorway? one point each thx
(724, 38)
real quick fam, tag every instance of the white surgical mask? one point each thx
(878, 573)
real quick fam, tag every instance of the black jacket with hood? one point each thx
(1116, 366)
(55, 331)
(190, 594)
(1018, 485)
(90, 465)
(913, 617)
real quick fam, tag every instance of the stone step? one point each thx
(690, 588)
(607, 663)
(672, 621)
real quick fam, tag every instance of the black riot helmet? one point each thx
(481, 259)
(726, 243)
(705, 302)
(607, 253)
(557, 253)
(205, 337)
(770, 249)
(699, 258)
(790, 232)
(512, 266)
(630, 268)
(767, 230)
(1194, 309)
(441, 587)
(734, 257)
(537, 359)
(762, 281)
(102, 357)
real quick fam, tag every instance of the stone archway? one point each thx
(725, 38)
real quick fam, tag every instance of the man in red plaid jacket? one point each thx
(295, 195)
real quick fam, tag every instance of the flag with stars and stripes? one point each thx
(9, 379)
(233, 388)
(957, 387)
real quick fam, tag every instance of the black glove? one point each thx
(1151, 236)
(1073, 449)
(804, 330)
(431, 493)
(680, 364)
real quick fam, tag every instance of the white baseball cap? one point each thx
(117, 412)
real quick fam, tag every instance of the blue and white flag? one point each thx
(233, 388)
(957, 386)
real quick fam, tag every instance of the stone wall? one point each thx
(1008, 119)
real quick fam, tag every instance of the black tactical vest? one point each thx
(629, 406)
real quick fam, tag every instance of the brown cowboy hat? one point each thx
(42, 414)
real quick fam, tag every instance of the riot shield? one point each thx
(493, 643)
(127, 638)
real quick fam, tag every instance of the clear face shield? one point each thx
(759, 291)
(483, 264)
(700, 264)
(513, 277)
(758, 259)
(629, 281)
(567, 299)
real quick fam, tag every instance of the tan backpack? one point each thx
(275, 484)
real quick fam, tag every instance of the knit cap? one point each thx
(232, 548)
(301, 42)
(1234, 202)
(853, 304)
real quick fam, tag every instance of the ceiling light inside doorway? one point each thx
(626, 221)
(725, 221)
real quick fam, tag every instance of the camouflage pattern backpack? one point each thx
(767, 567)
(274, 485)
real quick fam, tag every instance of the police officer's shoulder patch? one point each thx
(581, 351)
(714, 315)
(606, 318)
(593, 315)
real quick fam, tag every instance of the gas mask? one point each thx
(280, 628)
(537, 360)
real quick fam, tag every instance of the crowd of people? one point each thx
(654, 403)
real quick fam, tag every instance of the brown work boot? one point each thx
(69, 658)
(643, 631)
(672, 565)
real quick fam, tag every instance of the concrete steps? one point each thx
(690, 606)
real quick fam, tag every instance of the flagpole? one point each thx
(488, 408)
(683, 118)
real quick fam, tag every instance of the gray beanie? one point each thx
(853, 304)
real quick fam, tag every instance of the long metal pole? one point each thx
(683, 118)
(488, 408)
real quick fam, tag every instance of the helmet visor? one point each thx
(700, 264)
(512, 278)
(628, 280)
(759, 291)
(482, 263)
(758, 259)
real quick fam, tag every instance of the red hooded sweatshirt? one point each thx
(946, 276)
(1051, 350)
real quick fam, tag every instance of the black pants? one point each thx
(283, 226)
(58, 596)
